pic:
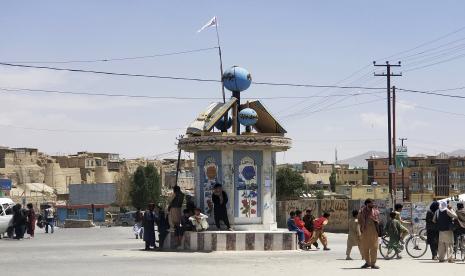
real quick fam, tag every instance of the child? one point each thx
(394, 232)
(353, 239)
(308, 220)
(186, 225)
(301, 225)
(293, 228)
(199, 221)
(319, 231)
(403, 230)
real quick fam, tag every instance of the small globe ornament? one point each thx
(248, 117)
(236, 79)
(221, 125)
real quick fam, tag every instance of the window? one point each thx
(385, 162)
(356, 172)
(369, 190)
(429, 186)
(385, 173)
(72, 213)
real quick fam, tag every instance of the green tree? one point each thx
(139, 192)
(289, 184)
(333, 181)
(320, 194)
(153, 183)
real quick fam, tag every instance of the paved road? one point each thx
(113, 251)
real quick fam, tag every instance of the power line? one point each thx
(182, 78)
(425, 43)
(433, 93)
(315, 85)
(168, 97)
(108, 73)
(334, 108)
(117, 59)
(321, 105)
(435, 63)
(89, 130)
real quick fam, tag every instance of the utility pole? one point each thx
(388, 74)
(179, 161)
(394, 148)
(403, 177)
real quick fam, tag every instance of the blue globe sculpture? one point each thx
(248, 117)
(221, 125)
(236, 79)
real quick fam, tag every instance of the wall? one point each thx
(102, 193)
(340, 210)
(81, 213)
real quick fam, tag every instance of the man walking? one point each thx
(49, 215)
(368, 219)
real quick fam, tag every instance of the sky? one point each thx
(309, 42)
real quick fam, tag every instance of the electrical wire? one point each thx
(6, 90)
(183, 78)
(435, 63)
(108, 73)
(89, 130)
(117, 59)
(424, 44)
(338, 107)
(432, 93)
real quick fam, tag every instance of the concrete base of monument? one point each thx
(256, 227)
(234, 241)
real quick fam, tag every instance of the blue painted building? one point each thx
(83, 211)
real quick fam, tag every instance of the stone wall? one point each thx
(340, 210)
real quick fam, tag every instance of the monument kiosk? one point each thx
(235, 144)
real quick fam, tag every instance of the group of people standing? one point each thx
(178, 219)
(443, 226)
(24, 221)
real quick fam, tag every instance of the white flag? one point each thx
(210, 23)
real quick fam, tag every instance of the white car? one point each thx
(6, 205)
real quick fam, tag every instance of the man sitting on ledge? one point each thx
(199, 221)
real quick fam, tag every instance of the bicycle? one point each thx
(416, 244)
(387, 249)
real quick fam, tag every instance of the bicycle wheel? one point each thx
(385, 251)
(422, 233)
(416, 246)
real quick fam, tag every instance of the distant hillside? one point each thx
(457, 153)
(360, 160)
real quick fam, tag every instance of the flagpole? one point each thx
(225, 119)
(221, 62)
